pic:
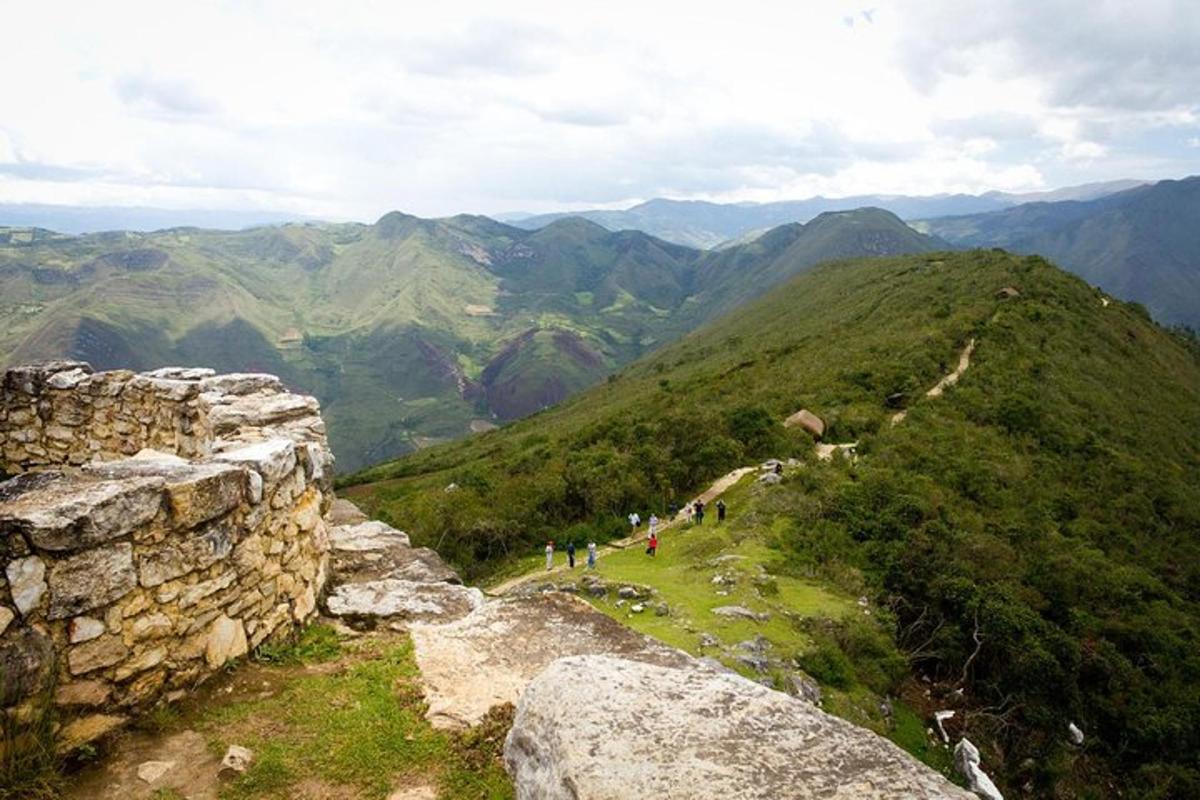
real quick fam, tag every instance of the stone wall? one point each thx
(157, 526)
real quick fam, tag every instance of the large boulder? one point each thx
(696, 732)
(807, 420)
(488, 658)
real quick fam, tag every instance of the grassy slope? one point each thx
(1049, 497)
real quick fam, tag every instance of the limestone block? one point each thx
(96, 654)
(272, 459)
(27, 582)
(226, 640)
(241, 383)
(807, 420)
(26, 660)
(195, 493)
(72, 513)
(181, 373)
(194, 594)
(140, 663)
(6, 618)
(198, 549)
(84, 629)
(151, 626)
(87, 729)
(82, 693)
(91, 579)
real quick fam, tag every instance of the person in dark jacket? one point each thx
(720, 511)
(571, 555)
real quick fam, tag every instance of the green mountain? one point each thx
(410, 331)
(697, 223)
(1142, 244)
(1028, 542)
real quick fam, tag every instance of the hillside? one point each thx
(410, 331)
(1028, 538)
(1142, 244)
(703, 224)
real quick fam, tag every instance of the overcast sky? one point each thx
(347, 110)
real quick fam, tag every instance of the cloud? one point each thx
(164, 96)
(536, 104)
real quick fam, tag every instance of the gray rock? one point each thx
(628, 593)
(196, 493)
(740, 612)
(26, 662)
(708, 640)
(84, 629)
(597, 589)
(637, 608)
(807, 420)
(759, 664)
(804, 688)
(181, 373)
(151, 771)
(1075, 734)
(966, 758)
(404, 599)
(367, 536)
(260, 410)
(91, 579)
(762, 744)
(770, 479)
(73, 513)
(241, 383)
(272, 459)
(226, 640)
(661, 609)
(27, 582)
(236, 761)
(201, 549)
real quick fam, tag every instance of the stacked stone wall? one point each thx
(158, 525)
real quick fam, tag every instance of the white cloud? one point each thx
(441, 108)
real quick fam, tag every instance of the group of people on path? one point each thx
(591, 555)
(695, 515)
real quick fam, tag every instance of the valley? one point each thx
(409, 331)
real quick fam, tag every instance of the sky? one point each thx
(348, 110)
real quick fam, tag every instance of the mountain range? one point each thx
(410, 330)
(1141, 244)
(703, 224)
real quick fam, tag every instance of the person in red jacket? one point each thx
(652, 545)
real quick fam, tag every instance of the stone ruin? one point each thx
(152, 527)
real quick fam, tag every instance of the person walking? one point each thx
(652, 548)
(634, 521)
(550, 554)
(571, 555)
(720, 511)
(690, 509)
(653, 524)
(699, 513)
(591, 555)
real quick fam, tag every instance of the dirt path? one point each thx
(948, 380)
(719, 487)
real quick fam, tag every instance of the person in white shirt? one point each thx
(549, 555)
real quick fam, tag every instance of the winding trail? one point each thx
(948, 380)
(824, 451)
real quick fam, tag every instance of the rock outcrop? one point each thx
(606, 728)
(807, 420)
(157, 526)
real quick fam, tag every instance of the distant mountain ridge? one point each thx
(96, 219)
(410, 331)
(1141, 244)
(703, 224)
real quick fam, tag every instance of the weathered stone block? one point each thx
(90, 580)
(82, 693)
(27, 582)
(74, 513)
(226, 640)
(96, 654)
(199, 550)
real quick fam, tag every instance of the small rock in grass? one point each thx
(637, 608)
(236, 761)
(150, 771)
